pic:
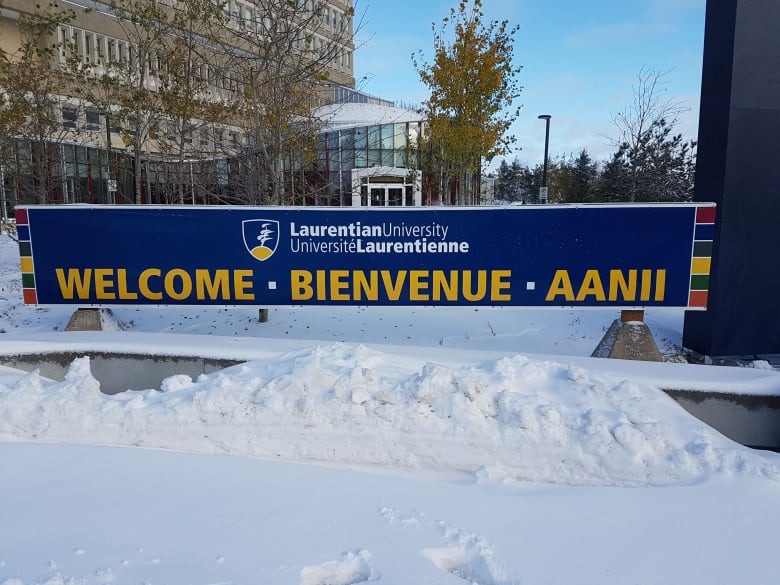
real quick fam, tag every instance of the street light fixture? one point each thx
(543, 188)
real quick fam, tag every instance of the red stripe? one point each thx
(698, 298)
(705, 215)
(21, 217)
(30, 298)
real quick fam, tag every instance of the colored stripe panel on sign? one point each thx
(698, 298)
(705, 215)
(700, 282)
(704, 231)
(21, 217)
(701, 265)
(29, 294)
(701, 261)
(702, 249)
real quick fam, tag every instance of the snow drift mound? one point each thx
(509, 419)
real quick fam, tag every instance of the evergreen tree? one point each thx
(659, 167)
(509, 181)
(584, 174)
(651, 163)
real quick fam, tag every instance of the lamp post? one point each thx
(543, 188)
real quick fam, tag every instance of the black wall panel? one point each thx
(738, 167)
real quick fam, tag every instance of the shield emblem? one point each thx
(261, 237)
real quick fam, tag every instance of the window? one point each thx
(387, 136)
(409, 195)
(89, 46)
(373, 136)
(64, 36)
(100, 50)
(395, 197)
(92, 119)
(205, 137)
(70, 117)
(78, 43)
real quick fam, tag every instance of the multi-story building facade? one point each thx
(90, 157)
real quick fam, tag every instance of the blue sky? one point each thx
(579, 59)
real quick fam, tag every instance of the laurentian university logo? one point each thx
(261, 237)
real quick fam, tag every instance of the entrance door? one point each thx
(389, 195)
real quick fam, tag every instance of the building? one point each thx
(368, 153)
(92, 153)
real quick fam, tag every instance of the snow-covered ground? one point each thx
(388, 445)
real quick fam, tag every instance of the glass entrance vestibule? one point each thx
(399, 188)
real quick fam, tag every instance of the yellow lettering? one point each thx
(468, 293)
(121, 282)
(339, 286)
(442, 285)
(412, 286)
(499, 281)
(647, 285)
(183, 290)
(321, 290)
(417, 284)
(393, 288)
(618, 281)
(368, 286)
(300, 285)
(215, 288)
(104, 280)
(74, 283)
(591, 285)
(143, 284)
(561, 285)
(660, 285)
(242, 280)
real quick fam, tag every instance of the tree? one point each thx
(31, 107)
(584, 174)
(657, 164)
(473, 85)
(509, 181)
(282, 66)
(194, 29)
(124, 86)
(661, 168)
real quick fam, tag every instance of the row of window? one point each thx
(100, 50)
(387, 145)
(207, 137)
(245, 13)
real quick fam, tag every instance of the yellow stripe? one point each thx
(701, 265)
(27, 265)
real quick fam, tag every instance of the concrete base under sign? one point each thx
(628, 340)
(93, 320)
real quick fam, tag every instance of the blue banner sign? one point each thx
(535, 256)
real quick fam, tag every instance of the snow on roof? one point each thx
(353, 115)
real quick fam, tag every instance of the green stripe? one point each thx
(700, 282)
(702, 249)
(28, 281)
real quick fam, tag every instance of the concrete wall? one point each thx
(118, 372)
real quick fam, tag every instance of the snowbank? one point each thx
(507, 419)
